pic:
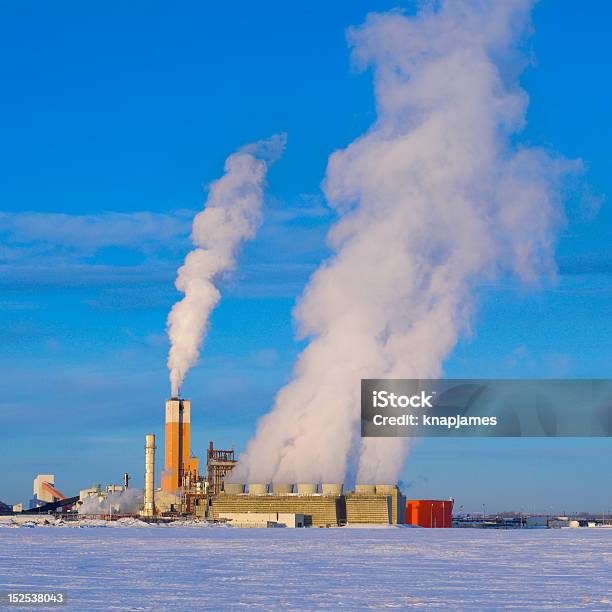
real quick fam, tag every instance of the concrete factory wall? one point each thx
(376, 504)
(384, 507)
(323, 509)
(368, 508)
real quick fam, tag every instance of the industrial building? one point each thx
(47, 498)
(430, 513)
(44, 491)
(329, 507)
(185, 492)
(183, 489)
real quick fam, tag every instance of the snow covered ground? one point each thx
(196, 567)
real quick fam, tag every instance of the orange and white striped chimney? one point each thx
(178, 460)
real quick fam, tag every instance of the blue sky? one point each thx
(115, 117)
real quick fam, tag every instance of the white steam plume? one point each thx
(128, 501)
(231, 215)
(432, 200)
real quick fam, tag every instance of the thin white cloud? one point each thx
(95, 231)
(41, 250)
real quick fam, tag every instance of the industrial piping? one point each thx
(149, 494)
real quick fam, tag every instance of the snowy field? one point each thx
(196, 568)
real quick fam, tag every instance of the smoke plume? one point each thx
(435, 198)
(128, 501)
(231, 215)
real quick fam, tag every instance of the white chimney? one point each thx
(149, 493)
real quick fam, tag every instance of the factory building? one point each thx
(44, 491)
(430, 513)
(185, 492)
(180, 465)
(382, 504)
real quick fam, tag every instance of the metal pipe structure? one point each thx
(149, 494)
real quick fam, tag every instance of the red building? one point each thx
(429, 512)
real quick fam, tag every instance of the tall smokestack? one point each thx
(149, 494)
(178, 460)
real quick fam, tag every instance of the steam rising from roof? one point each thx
(433, 199)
